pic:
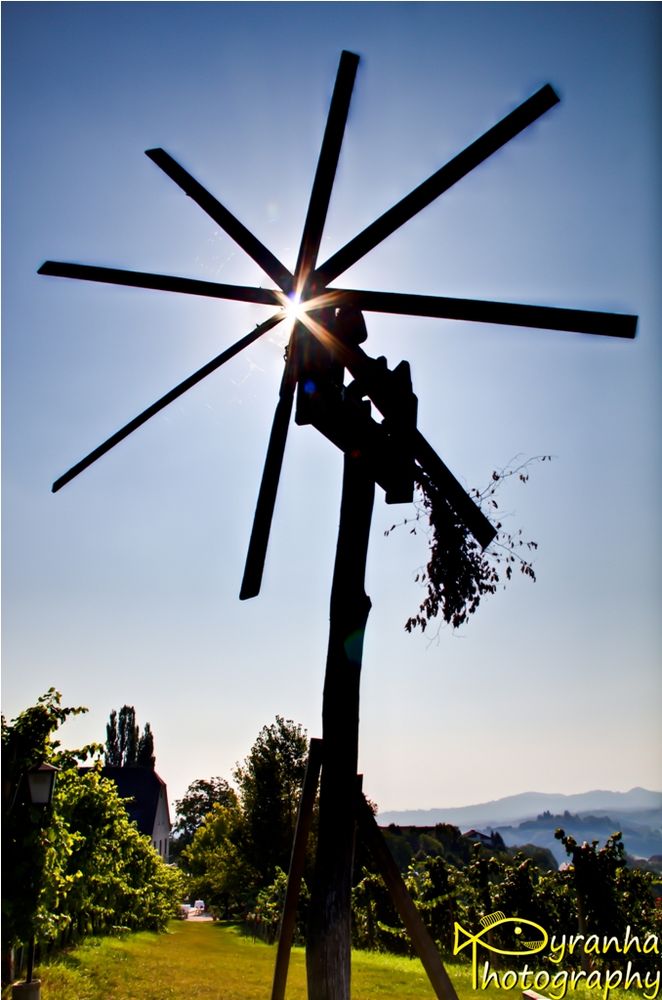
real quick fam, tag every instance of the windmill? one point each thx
(325, 341)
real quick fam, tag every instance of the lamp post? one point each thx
(41, 784)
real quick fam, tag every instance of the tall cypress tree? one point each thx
(145, 756)
(128, 736)
(125, 745)
(112, 755)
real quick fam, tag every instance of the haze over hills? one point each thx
(528, 805)
(532, 818)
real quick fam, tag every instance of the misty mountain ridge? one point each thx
(532, 818)
(526, 806)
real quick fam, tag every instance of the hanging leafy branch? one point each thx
(459, 573)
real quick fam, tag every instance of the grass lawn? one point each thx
(210, 961)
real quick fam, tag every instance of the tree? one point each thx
(233, 846)
(216, 862)
(112, 755)
(199, 799)
(270, 781)
(129, 735)
(145, 754)
(125, 746)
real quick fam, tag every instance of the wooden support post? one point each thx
(328, 945)
(411, 918)
(297, 862)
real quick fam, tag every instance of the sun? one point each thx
(294, 310)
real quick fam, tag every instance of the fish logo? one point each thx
(463, 939)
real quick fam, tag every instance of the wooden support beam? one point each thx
(295, 875)
(411, 918)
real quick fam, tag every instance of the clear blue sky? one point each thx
(123, 587)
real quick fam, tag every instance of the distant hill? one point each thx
(528, 805)
(641, 830)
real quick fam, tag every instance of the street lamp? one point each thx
(41, 784)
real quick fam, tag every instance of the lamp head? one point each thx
(41, 783)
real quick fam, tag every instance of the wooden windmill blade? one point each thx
(163, 283)
(444, 178)
(327, 164)
(307, 257)
(266, 498)
(165, 400)
(608, 324)
(224, 218)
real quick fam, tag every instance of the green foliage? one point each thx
(374, 920)
(266, 914)
(542, 857)
(234, 846)
(595, 882)
(517, 891)
(400, 847)
(610, 895)
(199, 799)
(434, 887)
(27, 742)
(596, 894)
(216, 863)
(406, 842)
(80, 866)
(270, 782)
(102, 871)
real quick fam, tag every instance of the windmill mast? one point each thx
(325, 343)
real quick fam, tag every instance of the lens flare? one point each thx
(293, 308)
